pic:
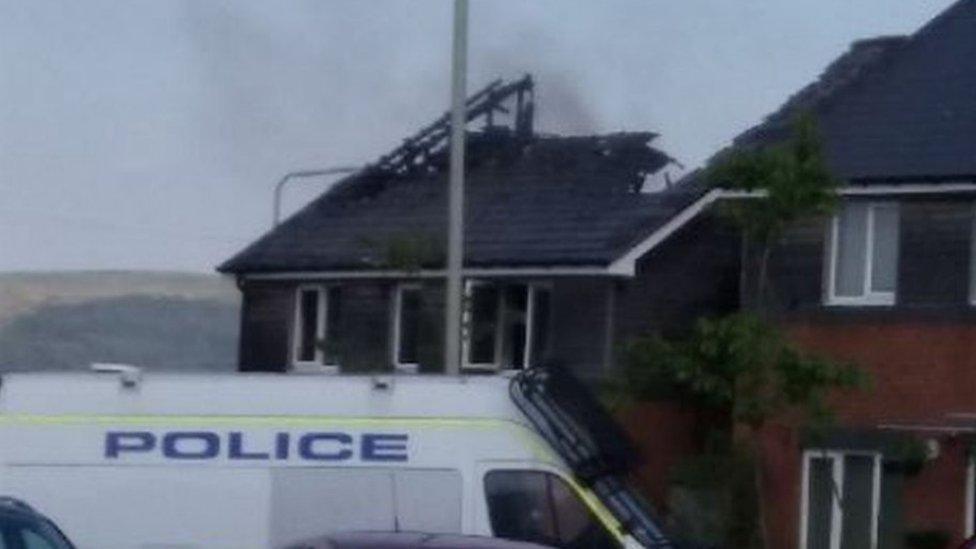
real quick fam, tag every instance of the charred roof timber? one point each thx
(416, 151)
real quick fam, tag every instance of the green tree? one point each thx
(783, 183)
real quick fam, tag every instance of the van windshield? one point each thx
(540, 507)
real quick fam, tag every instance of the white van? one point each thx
(260, 460)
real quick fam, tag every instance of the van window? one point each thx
(540, 507)
(22, 535)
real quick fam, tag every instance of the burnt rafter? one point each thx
(415, 152)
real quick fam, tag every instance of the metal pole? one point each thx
(280, 186)
(455, 234)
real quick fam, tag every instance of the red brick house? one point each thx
(888, 283)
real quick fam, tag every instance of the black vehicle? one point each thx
(21, 527)
(409, 540)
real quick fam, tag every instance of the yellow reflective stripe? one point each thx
(598, 509)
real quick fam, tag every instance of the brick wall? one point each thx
(921, 371)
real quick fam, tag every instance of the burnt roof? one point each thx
(530, 201)
(894, 108)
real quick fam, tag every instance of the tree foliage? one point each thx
(792, 178)
(784, 183)
(739, 365)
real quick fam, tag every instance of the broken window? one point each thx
(316, 333)
(406, 327)
(506, 325)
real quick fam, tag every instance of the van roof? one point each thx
(254, 394)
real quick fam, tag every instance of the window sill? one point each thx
(406, 368)
(314, 368)
(867, 301)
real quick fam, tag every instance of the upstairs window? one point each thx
(407, 311)
(863, 254)
(316, 334)
(506, 325)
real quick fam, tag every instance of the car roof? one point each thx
(409, 540)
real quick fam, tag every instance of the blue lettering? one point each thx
(282, 441)
(236, 449)
(306, 446)
(172, 443)
(380, 447)
(117, 442)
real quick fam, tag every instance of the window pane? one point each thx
(409, 326)
(851, 252)
(35, 540)
(308, 324)
(540, 326)
(484, 324)
(518, 506)
(820, 503)
(858, 495)
(575, 525)
(333, 325)
(885, 257)
(516, 303)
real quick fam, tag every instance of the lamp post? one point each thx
(280, 186)
(455, 233)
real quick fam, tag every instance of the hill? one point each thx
(174, 321)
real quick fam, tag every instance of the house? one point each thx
(567, 255)
(888, 283)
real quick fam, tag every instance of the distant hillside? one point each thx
(172, 321)
(22, 292)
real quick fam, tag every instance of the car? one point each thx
(409, 540)
(21, 527)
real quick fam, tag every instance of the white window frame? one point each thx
(972, 260)
(530, 304)
(316, 366)
(970, 505)
(868, 296)
(837, 514)
(402, 367)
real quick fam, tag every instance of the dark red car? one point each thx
(408, 540)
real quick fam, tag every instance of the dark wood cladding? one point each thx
(578, 324)
(796, 268)
(266, 319)
(694, 274)
(934, 256)
(933, 269)
(364, 330)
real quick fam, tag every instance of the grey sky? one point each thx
(147, 134)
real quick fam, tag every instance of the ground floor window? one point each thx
(540, 507)
(316, 328)
(506, 326)
(841, 500)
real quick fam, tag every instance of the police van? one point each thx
(126, 460)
